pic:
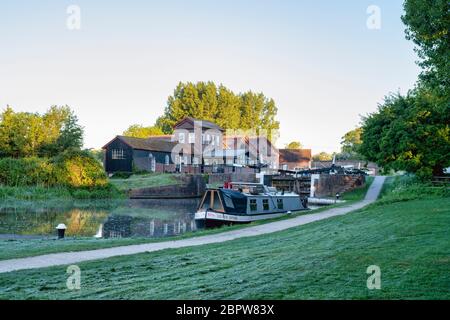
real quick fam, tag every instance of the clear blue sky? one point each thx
(317, 59)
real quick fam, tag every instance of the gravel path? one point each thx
(67, 258)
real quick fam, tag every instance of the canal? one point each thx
(130, 218)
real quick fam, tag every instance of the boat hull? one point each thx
(215, 219)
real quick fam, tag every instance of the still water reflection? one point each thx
(133, 218)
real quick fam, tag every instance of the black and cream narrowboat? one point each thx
(244, 203)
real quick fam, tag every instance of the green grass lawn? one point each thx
(358, 193)
(326, 259)
(145, 181)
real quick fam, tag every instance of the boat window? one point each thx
(228, 201)
(217, 204)
(265, 204)
(253, 205)
(280, 203)
(206, 201)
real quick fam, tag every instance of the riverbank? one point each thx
(61, 193)
(325, 259)
(115, 188)
(149, 180)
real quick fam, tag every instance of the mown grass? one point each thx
(326, 259)
(145, 181)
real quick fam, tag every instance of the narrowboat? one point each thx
(244, 203)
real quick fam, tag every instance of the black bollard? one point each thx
(61, 230)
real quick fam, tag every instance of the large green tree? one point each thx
(409, 133)
(205, 100)
(24, 134)
(350, 143)
(427, 25)
(63, 131)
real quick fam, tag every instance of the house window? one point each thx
(265, 204)
(181, 137)
(195, 161)
(218, 141)
(253, 205)
(280, 203)
(167, 159)
(117, 154)
(191, 137)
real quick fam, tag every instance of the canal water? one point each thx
(131, 218)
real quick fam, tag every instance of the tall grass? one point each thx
(409, 187)
(26, 193)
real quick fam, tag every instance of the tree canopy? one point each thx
(350, 143)
(205, 100)
(24, 134)
(412, 132)
(427, 25)
(294, 145)
(323, 156)
(139, 131)
(409, 133)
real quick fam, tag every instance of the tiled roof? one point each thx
(166, 137)
(294, 155)
(158, 143)
(205, 123)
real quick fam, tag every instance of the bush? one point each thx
(72, 168)
(27, 172)
(76, 168)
